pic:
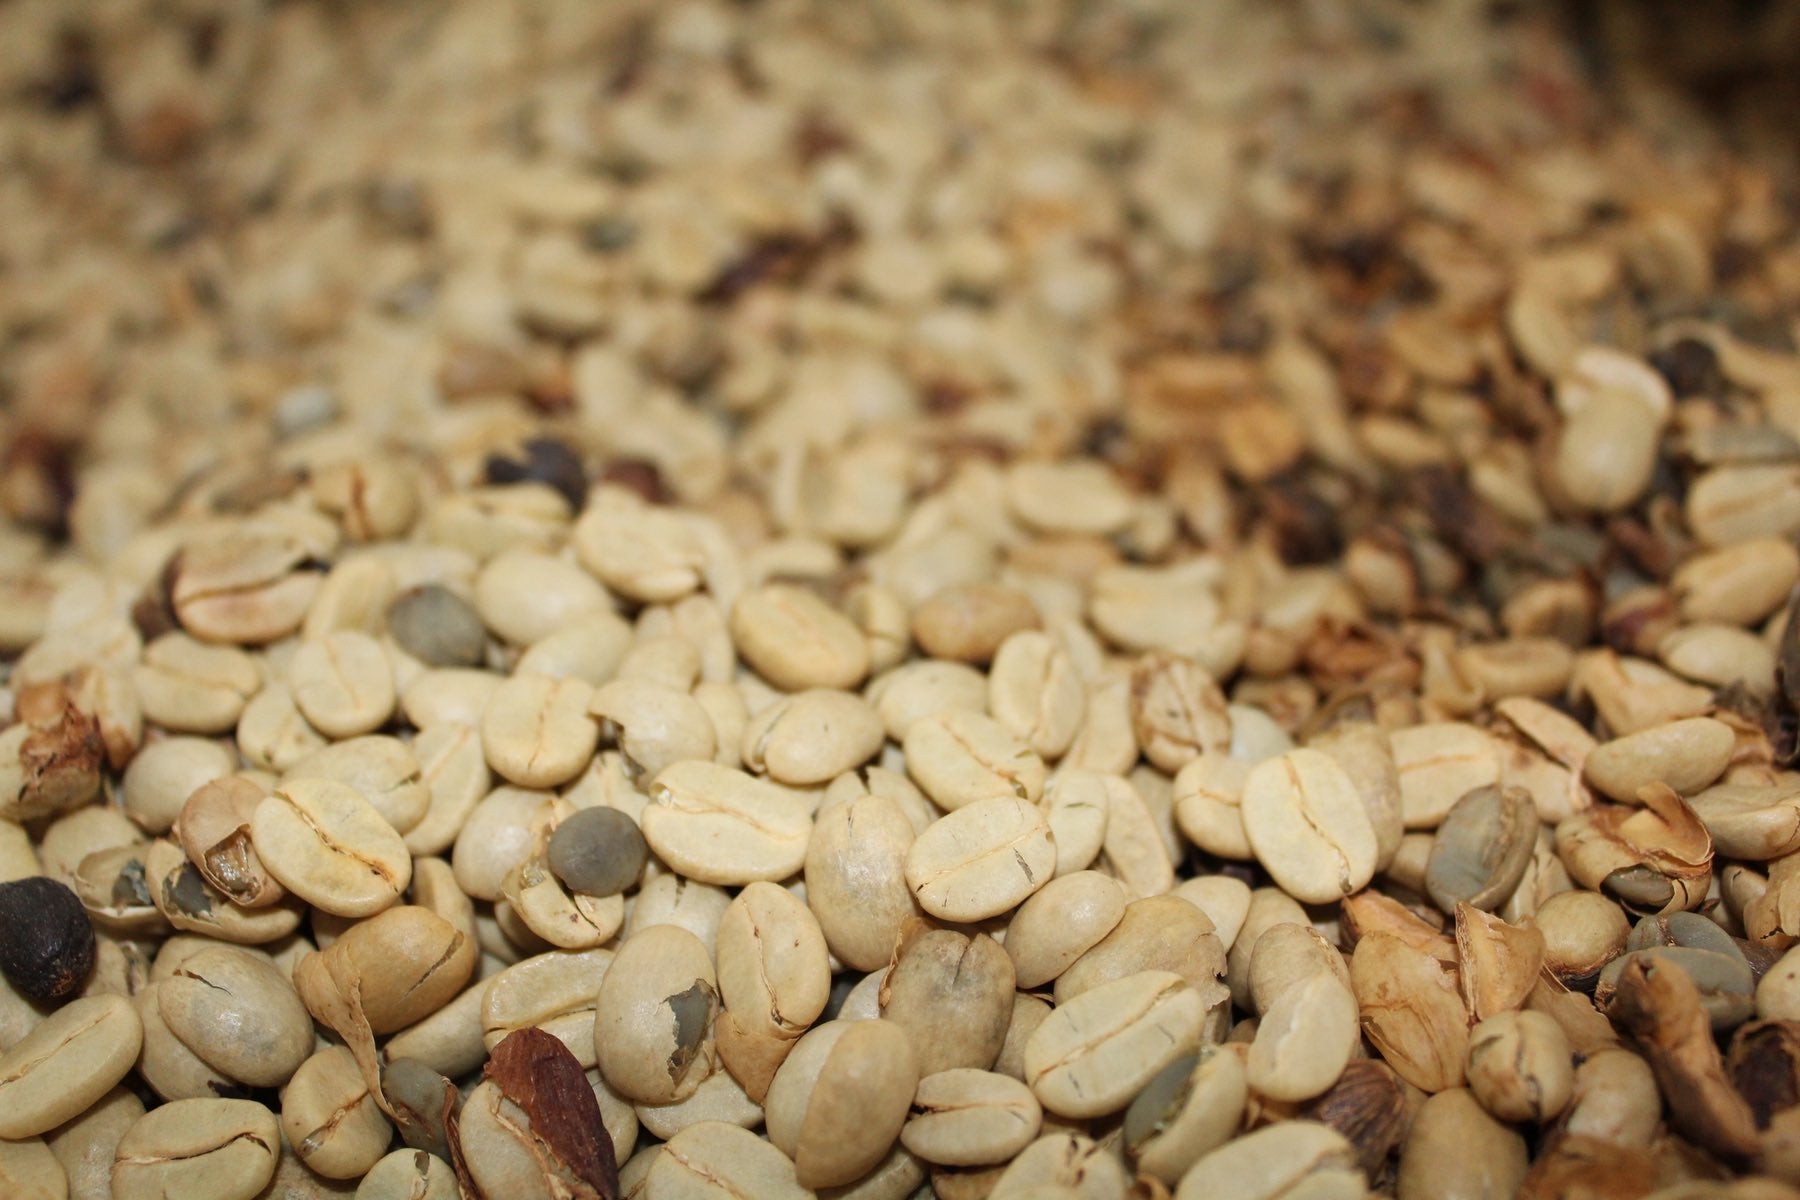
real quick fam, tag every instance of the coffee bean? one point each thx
(437, 627)
(46, 939)
(598, 852)
(547, 461)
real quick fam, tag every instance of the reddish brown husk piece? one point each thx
(536, 1072)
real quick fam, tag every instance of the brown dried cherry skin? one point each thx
(535, 1071)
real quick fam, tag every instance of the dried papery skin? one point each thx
(1653, 859)
(1659, 1008)
(536, 1072)
(1369, 911)
(1576, 1164)
(1368, 1106)
(1764, 1065)
(1584, 1026)
(1411, 1012)
(1498, 962)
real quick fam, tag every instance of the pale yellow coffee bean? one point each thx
(969, 1118)
(718, 1098)
(354, 595)
(381, 768)
(342, 683)
(589, 648)
(923, 687)
(331, 1119)
(1060, 922)
(1223, 898)
(649, 554)
(1720, 656)
(173, 1071)
(1061, 1165)
(1177, 711)
(554, 992)
(1142, 608)
(1456, 1150)
(191, 687)
(1139, 844)
(1106, 741)
(328, 846)
(29, 1171)
(812, 737)
(1607, 452)
(239, 1014)
(1362, 749)
(1750, 821)
(981, 860)
(18, 858)
(774, 980)
(221, 1149)
(246, 584)
(1192, 1106)
(1036, 693)
(1075, 805)
(69, 1060)
(448, 696)
(165, 773)
(795, 640)
(1268, 907)
(449, 1040)
(552, 911)
(960, 757)
(1208, 795)
(1304, 1038)
(856, 878)
(1744, 502)
(86, 1145)
(409, 1175)
(716, 825)
(1615, 1099)
(1156, 933)
(524, 595)
(453, 768)
(1439, 764)
(839, 1100)
(1078, 496)
(652, 723)
(1287, 954)
(1308, 827)
(654, 1014)
(671, 899)
(536, 731)
(1093, 1054)
(1521, 1066)
(1739, 584)
(713, 1160)
(1290, 1158)
(1687, 755)
(967, 622)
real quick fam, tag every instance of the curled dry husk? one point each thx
(1654, 859)
(1411, 1011)
(1499, 962)
(1658, 1006)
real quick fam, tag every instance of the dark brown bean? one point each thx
(46, 939)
